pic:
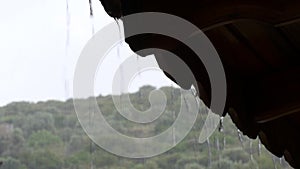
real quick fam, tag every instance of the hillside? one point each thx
(47, 135)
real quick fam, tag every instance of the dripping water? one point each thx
(120, 41)
(173, 129)
(91, 8)
(186, 104)
(172, 95)
(194, 91)
(92, 16)
(91, 109)
(224, 141)
(259, 147)
(274, 161)
(120, 31)
(280, 160)
(118, 47)
(240, 137)
(66, 82)
(138, 65)
(144, 162)
(218, 149)
(250, 151)
(67, 25)
(198, 101)
(195, 94)
(221, 125)
(197, 98)
(92, 157)
(120, 161)
(218, 144)
(209, 152)
(121, 67)
(195, 147)
(64, 62)
(221, 130)
(252, 160)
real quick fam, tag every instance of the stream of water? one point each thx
(92, 109)
(119, 55)
(259, 147)
(209, 152)
(274, 162)
(240, 138)
(67, 42)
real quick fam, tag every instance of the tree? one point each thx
(193, 166)
(11, 163)
(44, 160)
(42, 139)
(36, 122)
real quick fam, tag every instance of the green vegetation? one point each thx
(47, 135)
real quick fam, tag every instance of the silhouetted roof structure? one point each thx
(259, 45)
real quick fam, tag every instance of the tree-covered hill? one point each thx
(47, 135)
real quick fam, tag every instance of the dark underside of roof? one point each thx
(259, 46)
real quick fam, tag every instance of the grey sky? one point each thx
(35, 63)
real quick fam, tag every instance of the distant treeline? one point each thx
(47, 135)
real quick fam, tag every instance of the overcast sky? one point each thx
(35, 62)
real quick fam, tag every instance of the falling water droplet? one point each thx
(186, 104)
(224, 141)
(221, 126)
(280, 160)
(194, 91)
(196, 95)
(138, 65)
(91, 8)
(218, 144)
(120, 37)
(173, 129)
(209, 152)
(218, 149)
(250, 150)
(67, 24)
(66, 85)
